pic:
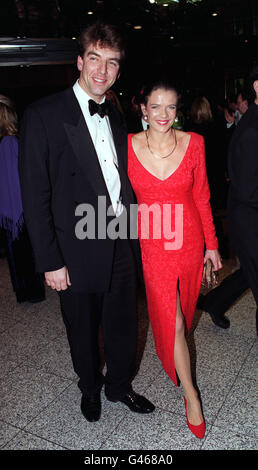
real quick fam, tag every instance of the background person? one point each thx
(242, 214)
(27, 284)
(203, 123)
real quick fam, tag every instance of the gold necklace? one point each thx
(157, 156)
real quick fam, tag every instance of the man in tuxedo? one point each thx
(241, 108)
(73, 156)
(242, 214)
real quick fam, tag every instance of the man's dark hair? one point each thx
(253, 75)
(245, 93)
(103, 34)
(252, 78)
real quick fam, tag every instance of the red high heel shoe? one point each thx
(198, 430)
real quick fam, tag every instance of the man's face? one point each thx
(99, 69)
(242, 105)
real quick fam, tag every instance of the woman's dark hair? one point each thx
(154, 84)
(106, 35)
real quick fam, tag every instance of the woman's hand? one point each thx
(215, 258)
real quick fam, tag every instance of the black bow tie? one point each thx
(101, 109)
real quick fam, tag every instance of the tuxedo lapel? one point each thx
(119, 137)
(120, 141)
(84, 150)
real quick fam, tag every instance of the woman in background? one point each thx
(27, 284)
(202, 122)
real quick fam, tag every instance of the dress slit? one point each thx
(165, 348)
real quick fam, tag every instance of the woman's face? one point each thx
(161, 109)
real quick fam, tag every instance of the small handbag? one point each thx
(209, 276)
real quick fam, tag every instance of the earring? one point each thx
(145, 117)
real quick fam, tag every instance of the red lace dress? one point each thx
(179, 222)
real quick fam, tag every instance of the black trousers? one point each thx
(28, 285)
(220, 299)
(117, 311)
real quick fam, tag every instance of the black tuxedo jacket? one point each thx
(59, 169)
(243, 162)
(243, 194)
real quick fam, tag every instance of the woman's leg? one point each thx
(183, 368)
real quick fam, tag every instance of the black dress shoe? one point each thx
(91, 407)
(135, 402)
(219, 320)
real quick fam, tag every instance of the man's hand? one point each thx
(229, 118)
(58, 280)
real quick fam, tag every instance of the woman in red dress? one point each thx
(167, 171)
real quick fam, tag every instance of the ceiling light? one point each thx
(90, 12)
(171, 37)
(165, 3)
(138, 27)
(214, 14)
(152, 1)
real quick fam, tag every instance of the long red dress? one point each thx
(181, 203)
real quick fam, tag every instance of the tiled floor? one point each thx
(40, 400)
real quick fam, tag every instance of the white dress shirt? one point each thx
(102, 138)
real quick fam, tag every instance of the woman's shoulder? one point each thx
(9, 147)
(9, 140)
(185, 134)
(138, 137)
(197, 141)
(136, 140)
(189, 138)
(195, 137)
